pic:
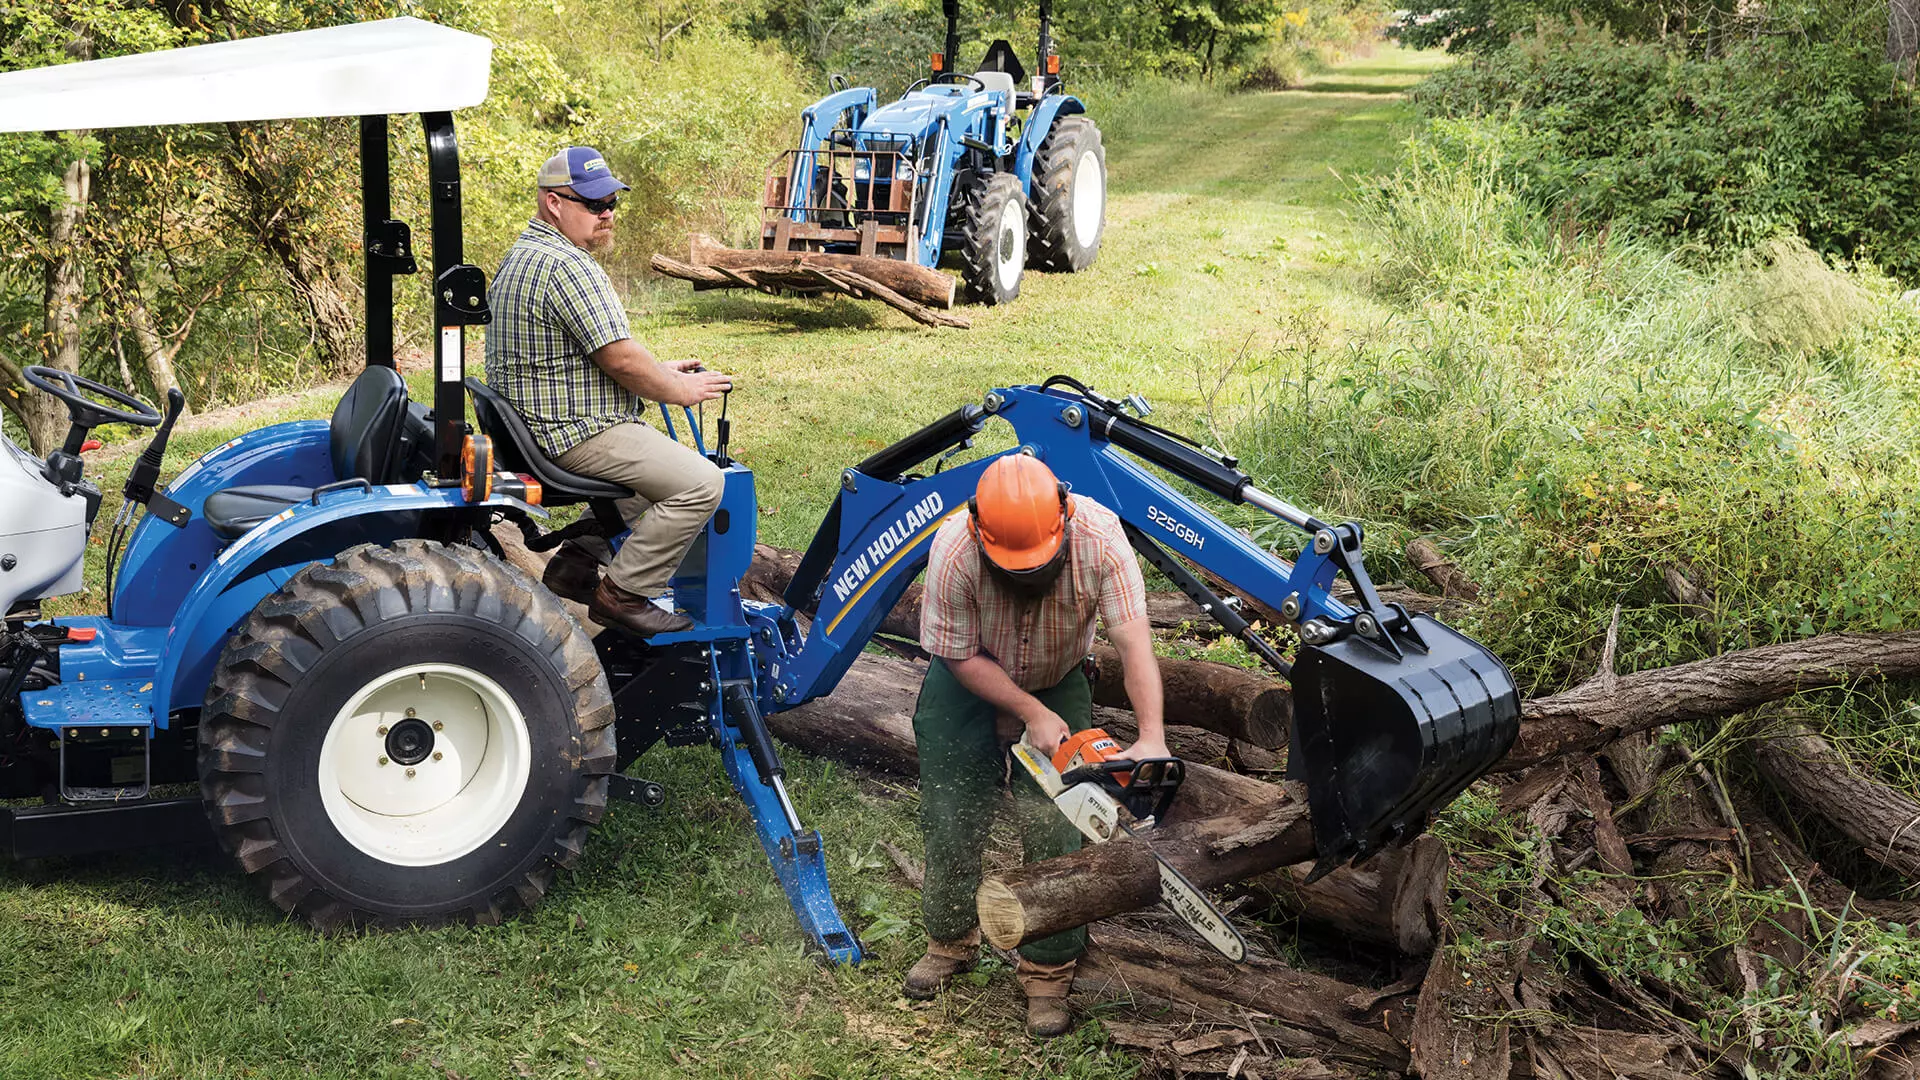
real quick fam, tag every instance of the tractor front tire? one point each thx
(992, 240)
(1069, 197)
(412, 735)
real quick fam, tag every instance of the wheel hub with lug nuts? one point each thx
(417, 791)
(410, 741)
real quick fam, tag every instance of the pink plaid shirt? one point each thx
(966, 612)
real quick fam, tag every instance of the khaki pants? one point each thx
(675, 492)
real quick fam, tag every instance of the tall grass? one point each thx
(1577, 412)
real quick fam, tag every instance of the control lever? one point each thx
(725, 428)
(146, 471)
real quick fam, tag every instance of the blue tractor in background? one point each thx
(994, 171)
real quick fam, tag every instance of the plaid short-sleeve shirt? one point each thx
(552, 307)
(966, 612)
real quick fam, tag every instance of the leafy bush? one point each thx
(1779, 134)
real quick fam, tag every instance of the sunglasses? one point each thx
(594, 206)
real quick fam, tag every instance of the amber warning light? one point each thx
(938, 61)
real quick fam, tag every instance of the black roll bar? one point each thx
(1046, 45)
(459, 298)
(375, 208)
(952, 8)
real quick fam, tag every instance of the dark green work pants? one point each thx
(963, 765)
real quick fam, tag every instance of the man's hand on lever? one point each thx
(695, 383)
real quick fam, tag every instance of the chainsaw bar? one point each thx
(1096, 813)
(1192, 905)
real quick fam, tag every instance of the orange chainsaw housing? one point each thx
(1089, 747)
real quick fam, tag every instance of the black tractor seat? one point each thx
(515, 451)
(377, 436)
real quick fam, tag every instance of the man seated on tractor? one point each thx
(560, 350)
(1013, 588)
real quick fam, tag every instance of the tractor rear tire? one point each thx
(412, 735)
(1069, 197)
(992, 237)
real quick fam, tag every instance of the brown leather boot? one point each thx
(944, 959)
(1047, 986)
(572, 574)
(616, 607)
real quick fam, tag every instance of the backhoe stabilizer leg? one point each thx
(797, 854)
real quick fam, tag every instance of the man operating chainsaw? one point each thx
(1013, 589)
(560, 350)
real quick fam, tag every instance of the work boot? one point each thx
(572, 574)
(945, 959)
(614, 606)
(1047, 986)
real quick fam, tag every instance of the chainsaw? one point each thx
(1091, 784)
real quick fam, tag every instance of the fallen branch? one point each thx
(1884, 821)
(1440, 570)
(1589, 716)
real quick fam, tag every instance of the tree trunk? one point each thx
(274, 215)
(911, 280)
(153, 350)
(44, 416)
(1903, 36)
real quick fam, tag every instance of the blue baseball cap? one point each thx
(582, 169)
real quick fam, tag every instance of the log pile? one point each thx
(1599, 791)
(922, 294)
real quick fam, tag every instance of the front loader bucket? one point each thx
(1382, 741)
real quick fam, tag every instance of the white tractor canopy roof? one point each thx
(364, 69)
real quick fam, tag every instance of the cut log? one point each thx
(911, 280)
(795, 277)
(1030, 902)
(1397, 898)
(1235, 702)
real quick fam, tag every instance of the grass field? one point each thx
(672, 950)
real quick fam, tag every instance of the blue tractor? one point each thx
(314, 650)
(994, 171)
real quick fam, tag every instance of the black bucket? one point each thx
(1382, 741)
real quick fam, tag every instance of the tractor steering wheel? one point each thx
(85, 412)
(945, 76)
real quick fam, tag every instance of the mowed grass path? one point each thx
(672, 951)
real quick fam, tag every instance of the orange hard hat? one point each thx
(1020, 513)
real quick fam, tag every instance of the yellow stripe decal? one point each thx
(888, 565)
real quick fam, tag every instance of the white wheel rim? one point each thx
(1011, 249)
(458, 793)
(1089, 198)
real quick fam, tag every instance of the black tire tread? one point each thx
(1050, 244)
(321, 607)
(974, 224)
